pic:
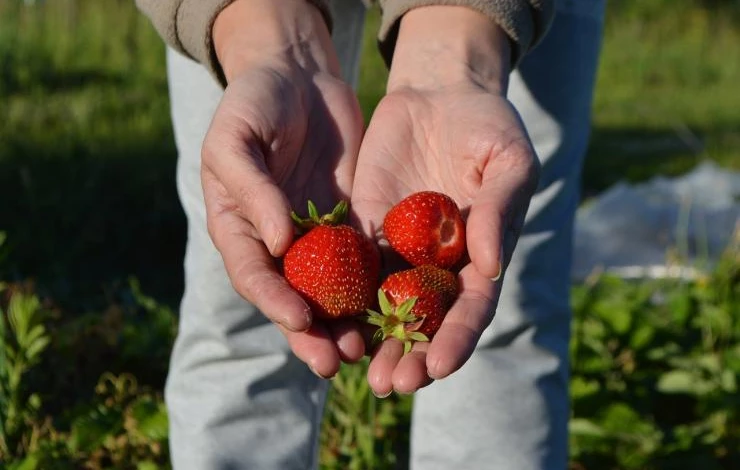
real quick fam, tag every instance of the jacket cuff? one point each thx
(524, 21)
(187, 26)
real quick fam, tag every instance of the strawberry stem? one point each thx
(396, 322)
(335, 217)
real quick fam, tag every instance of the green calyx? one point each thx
(335, 217)
(396, 322)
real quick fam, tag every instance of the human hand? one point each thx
(287, 130)
(446, 125)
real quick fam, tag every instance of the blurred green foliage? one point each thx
(656, 367)
(56, 412)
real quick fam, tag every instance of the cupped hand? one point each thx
(450, 130)
(469, 144)
(287, 130)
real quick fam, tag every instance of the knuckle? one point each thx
(208, 150)
(518, 153)
(250, 282)
(249, 196)
(520, 159)
(213, 232)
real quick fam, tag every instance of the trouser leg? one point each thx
(236, 396)
(508, 406)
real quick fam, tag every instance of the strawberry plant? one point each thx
(655, 372)
(121, 424)
(23, 339)
(360, 431)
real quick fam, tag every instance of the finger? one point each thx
(508, 183)
(367, 331)
(349, 339)
(368, 214)
(380, 370)
(316, 348)
(410, 373)
(251, 269)
(346, 115)
(461, 329)
(236, 161)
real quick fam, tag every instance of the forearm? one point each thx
(441, 46)
(251, 32)
(187, 25)
(525, 22)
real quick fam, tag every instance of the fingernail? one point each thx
(272, 231)
(319, 375)
(433, 367)
(500, 265)
(293, 324)
(386, 395)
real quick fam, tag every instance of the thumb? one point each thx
(497, 212)
(242, 171)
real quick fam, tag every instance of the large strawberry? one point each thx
(413, 304)
(333, 266)
(426, 228)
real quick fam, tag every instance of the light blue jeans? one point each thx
(238, 398)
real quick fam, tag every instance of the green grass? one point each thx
(86, 150)
(87, 201)
(666, 95)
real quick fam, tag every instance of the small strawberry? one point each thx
(413, 303)
(333, 266)
(426, 228)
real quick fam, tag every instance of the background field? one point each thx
(93, 239)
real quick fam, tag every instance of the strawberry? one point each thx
(333, 266)
(413, 303)
(426, 228)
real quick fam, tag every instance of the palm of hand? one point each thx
(302, 131)
(279, 137)
(470, 145)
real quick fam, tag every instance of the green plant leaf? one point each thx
(585, 427)
(680, 381)
(681, 305)
(151, 418)
(89, 431)
(642, 336)
(403, 311)
(313, 212)
(619, 318)
(147, 465)
(580, 387)
(30, 462)
(417, 336)
(728, 380)
(36, 347)
(34, 401)
(375, 318)
(385, 303)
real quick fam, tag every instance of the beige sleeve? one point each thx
(186, 26)
(524, 21)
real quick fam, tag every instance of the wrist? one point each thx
(440, 46)
(257, 32)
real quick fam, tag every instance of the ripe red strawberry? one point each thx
(334, 267)
(413, 303)
(426, 228)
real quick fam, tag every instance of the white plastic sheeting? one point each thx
(631, 229)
